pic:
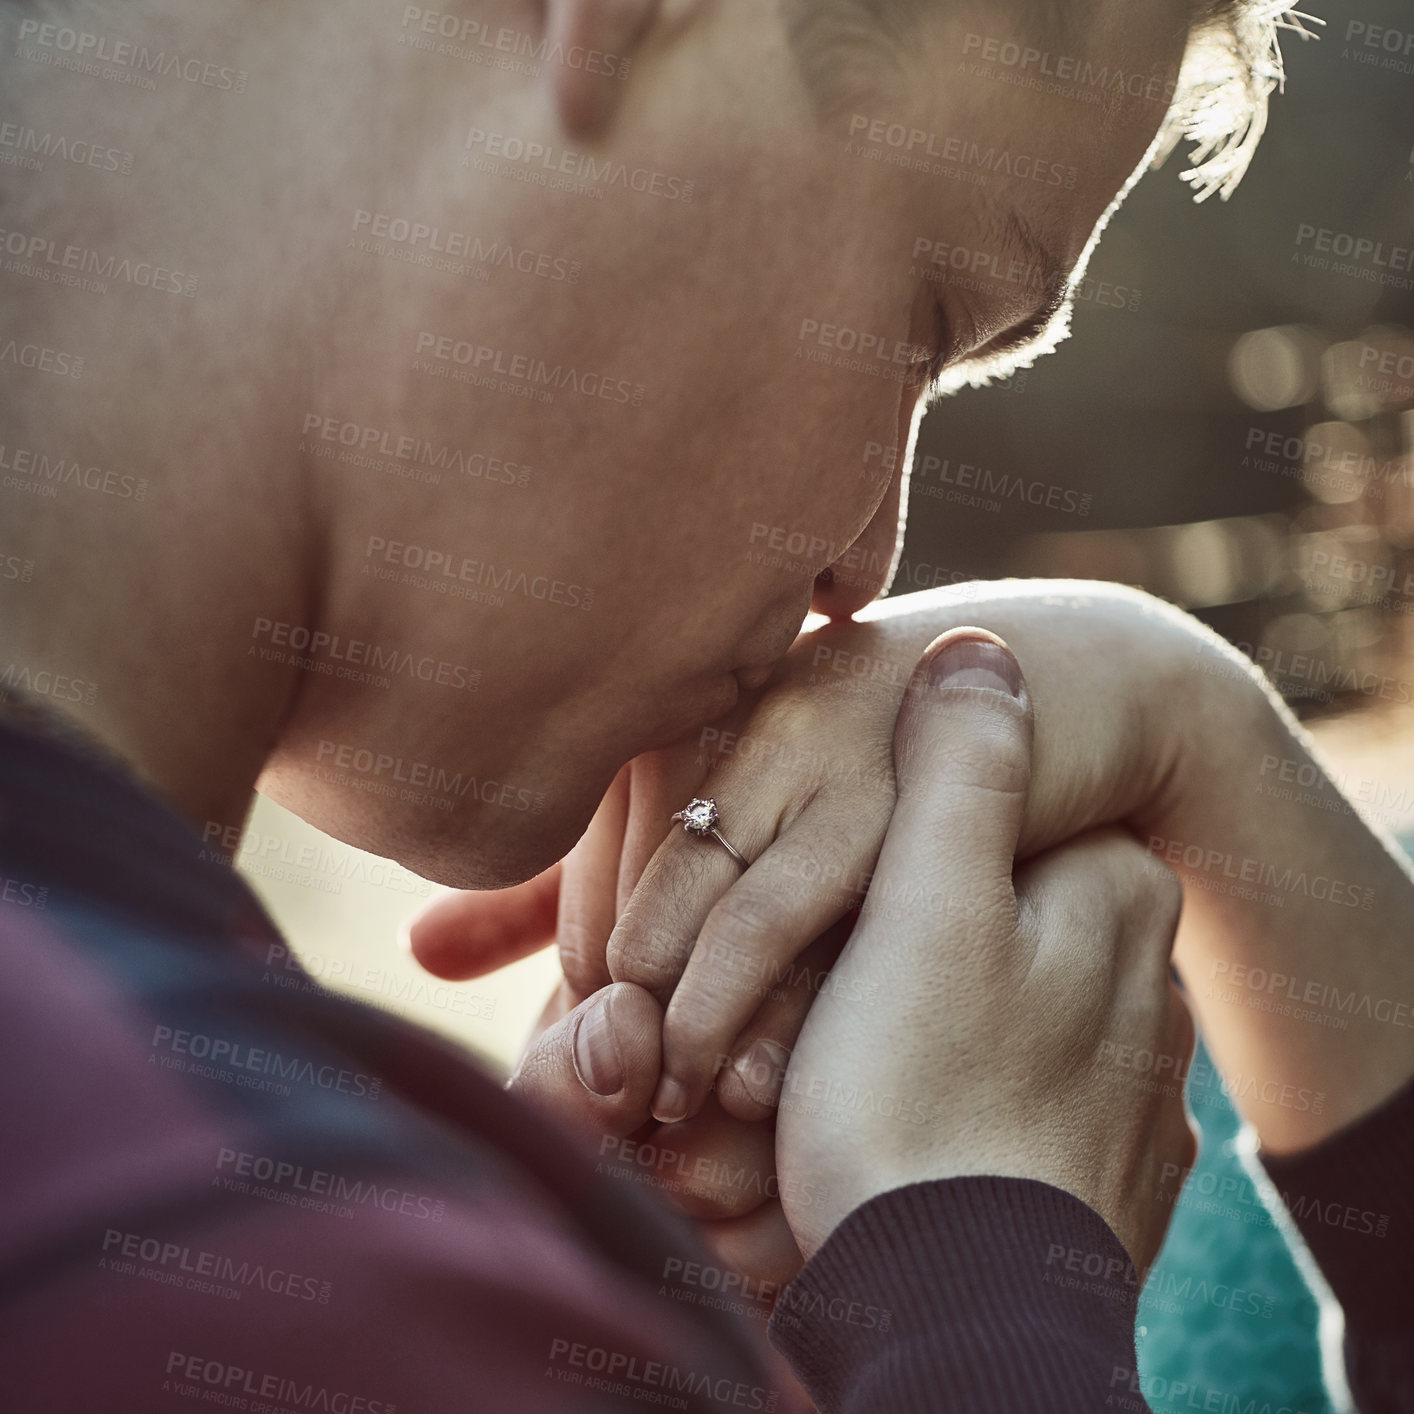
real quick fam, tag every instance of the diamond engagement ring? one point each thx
(700, 819)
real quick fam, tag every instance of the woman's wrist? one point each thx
(1295, 944)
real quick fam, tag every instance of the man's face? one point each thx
(757, 344)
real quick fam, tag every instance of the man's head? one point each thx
(547, 353)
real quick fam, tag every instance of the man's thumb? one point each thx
(597, 1066)
(962, 757)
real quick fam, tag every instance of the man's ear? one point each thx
(591, 47)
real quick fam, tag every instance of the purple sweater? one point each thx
(223, 1191)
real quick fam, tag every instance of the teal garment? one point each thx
(1226, 1321)
(1199, 1347)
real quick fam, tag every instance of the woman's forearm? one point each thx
(1297, 941)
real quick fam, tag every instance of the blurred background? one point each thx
(1235, 410)
(1234, 405)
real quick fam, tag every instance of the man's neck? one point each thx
(165, 691)
(146, 570)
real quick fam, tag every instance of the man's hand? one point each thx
(965, 1027)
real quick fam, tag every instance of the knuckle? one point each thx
(746, 918)
(814, 870)
(652, 942)
(1145, 895)
(645, 954)
(692, 1025)
(1158, 897)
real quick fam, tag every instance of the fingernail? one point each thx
(596, 1053)
(976, 662)
(670, 1101)
(761, 1068)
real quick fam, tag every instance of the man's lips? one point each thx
(752, 678)
(710, 702)
(714, 708)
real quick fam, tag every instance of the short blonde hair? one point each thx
(1230, 68)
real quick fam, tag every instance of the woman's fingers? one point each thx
(750, 1079)
(751, 941)
(684, 879)
(712, 942)
(603, 869)
(668, 880)
(471, 932)
(588, 891)
(661, 783)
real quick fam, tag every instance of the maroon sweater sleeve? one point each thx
(222, 1187)
(983, 1294)
(1350, 1199)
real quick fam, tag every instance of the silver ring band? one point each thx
(700, 819)
(730, 848)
